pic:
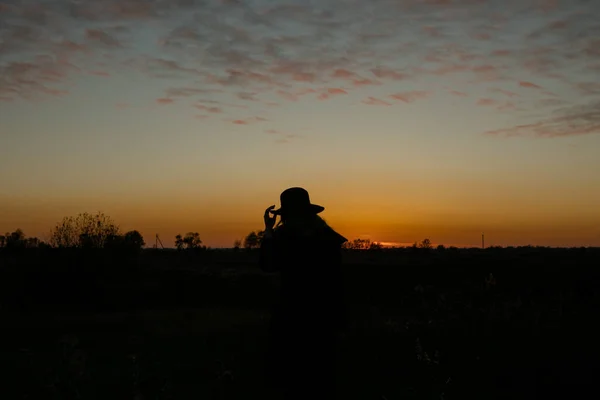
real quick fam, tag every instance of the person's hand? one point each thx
(269, 221)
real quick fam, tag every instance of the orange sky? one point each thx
(405, 120)
(380, 213)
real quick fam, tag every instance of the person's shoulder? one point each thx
(333, 237)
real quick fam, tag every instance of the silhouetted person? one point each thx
(310, 312)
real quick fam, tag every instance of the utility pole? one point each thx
(157, 241)
(482, 242)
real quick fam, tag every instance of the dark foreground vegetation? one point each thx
(422, 324)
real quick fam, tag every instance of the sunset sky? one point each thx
(404, 119)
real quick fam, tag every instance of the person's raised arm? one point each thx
(268, 258)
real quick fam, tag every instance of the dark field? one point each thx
(184, 325)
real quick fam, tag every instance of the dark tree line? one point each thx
(84, 231)
(191, 240)
(18, 240)
(96, 231)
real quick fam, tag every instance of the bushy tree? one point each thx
(425, 244)
(15, 239)
(18, 240)
(85, 230)
(252, 240)
(130, 241)
(191, 240)
(134, 240)
(179, 242)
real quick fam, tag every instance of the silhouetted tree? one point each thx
(252, 241)
(85, 230)
(441, 247)
(179, 242)
(32, 242)
(17, 239)
(260, 235)
(130, 241)
(134, 240)
(192, 240)
(375, 246)
(425, 244)
(237, 244)
(360, 244)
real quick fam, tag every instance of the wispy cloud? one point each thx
(529, 85)
(376, 102)
(251, 50)
(246, 121)
(165, 100)
(409, 97)
(566, 121)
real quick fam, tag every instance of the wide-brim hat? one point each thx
(296, 200)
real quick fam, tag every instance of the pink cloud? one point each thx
(481, 36)
(304, 77)
(186, 92)
(132, 9)
(507, 106)
(432, 31)
(486, 102)
(588, 88)
(247, 121)
(287, 138)
(388, 73)
(529, 85)
(568, 121)
(448, 69)
(365, 82)
(484, 68)
(102, 37)
(557, 25)
(302, 92)
(376, 102)
(334, 91)
(263, 63)
(73, 46)
(409, 97)
(214, 110)
(247, 96)
(343, 73)
(505, 92)
(100, 73)
(331, 92)
(502, 52)
(457, 93)
(287, 95)
(164, 100)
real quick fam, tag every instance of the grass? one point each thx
(414, 332)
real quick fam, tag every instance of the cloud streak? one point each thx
(258, 49)
(566, 121)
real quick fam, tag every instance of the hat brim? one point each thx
(312, 208)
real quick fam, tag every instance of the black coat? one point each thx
(309, 311)
(309, 262)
